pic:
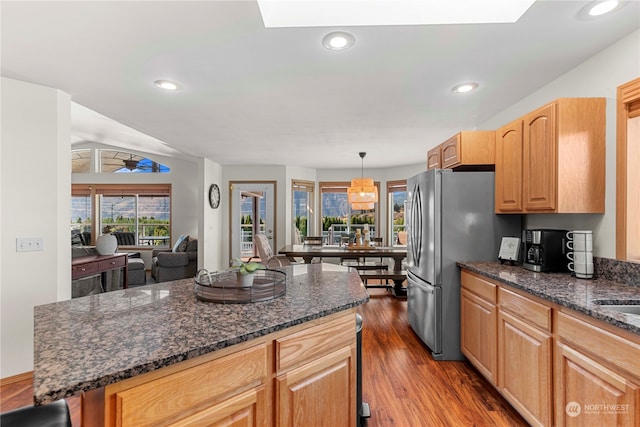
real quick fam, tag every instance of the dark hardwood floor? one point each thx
(402, 384)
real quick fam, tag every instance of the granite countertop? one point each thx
(568, 291)
(90, 342)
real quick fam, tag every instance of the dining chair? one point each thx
(265, 253)
(312, 240)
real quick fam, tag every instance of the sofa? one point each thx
(180, 262)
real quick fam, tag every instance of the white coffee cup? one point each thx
(581, 257)
(574, 233)
(580, 244)
(581, 268)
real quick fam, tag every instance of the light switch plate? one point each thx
(29, 244)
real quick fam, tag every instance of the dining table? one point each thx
(309, 252)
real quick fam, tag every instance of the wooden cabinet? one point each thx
(524, 357)
(478, 324)
(557, 164)
(465, 150)
(434, 158)
(508, 177)
(311, 366)
(557, 367)
(304, 375)
(597, 375)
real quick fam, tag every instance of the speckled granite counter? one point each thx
(568, 291)
(90, 342)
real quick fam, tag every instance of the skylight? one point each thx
(319, 13)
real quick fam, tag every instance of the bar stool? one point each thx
(55, 414)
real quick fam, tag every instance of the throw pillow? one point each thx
(181, 243)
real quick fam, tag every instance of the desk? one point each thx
(308, 252)
(98, 264)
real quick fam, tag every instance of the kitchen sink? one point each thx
(626, 309)
(632, 308)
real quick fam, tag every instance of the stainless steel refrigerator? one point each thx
(450, 218)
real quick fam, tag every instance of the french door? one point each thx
(252, 211)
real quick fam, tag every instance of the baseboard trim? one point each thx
(16, 378)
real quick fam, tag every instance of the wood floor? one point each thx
(404, 386)
(401, 383)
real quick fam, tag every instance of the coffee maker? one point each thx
(544, 250)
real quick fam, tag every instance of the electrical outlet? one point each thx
(29, 244)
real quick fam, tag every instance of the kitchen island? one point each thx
(156, 355)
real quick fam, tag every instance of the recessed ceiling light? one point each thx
(338, 40)
(595, 9)
(168, 85)
(464, 87)
(603, 7)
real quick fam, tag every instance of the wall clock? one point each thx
(214, 196)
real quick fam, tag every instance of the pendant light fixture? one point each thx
(363, 193)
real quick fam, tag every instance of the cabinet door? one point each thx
(433, 158)
(478, 333)
(588, 393)
(451, 152)
(540, 168)
(320, 393)
(509, 168)
(524, 369)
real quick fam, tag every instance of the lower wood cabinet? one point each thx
(318, 393)
(478, 324)
(557, 367)
(524, 366)
(597, 376)
(301, 376)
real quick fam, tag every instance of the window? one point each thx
(397, 194)
(143, 210)
(123, 162)
(338, 219)
(302, 208)
(628, 173)
(81, 161)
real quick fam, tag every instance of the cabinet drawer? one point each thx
(592, 339)
(190, 391)
(479, 286)
(113, 263)
(309, 344)
(530, 311)
(83, 270)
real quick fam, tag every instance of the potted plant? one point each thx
(246, 271)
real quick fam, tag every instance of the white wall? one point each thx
(36, 165)
(210, 220)
(597, 77)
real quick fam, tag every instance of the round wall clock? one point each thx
(214, 196)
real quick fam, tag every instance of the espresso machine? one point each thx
(544, 250)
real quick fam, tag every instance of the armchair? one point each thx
(173, 264)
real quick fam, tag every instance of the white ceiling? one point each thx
(275, 96)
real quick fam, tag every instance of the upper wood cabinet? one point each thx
(562, 159)
(508, 178)
(467, 149)
(434, 158)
